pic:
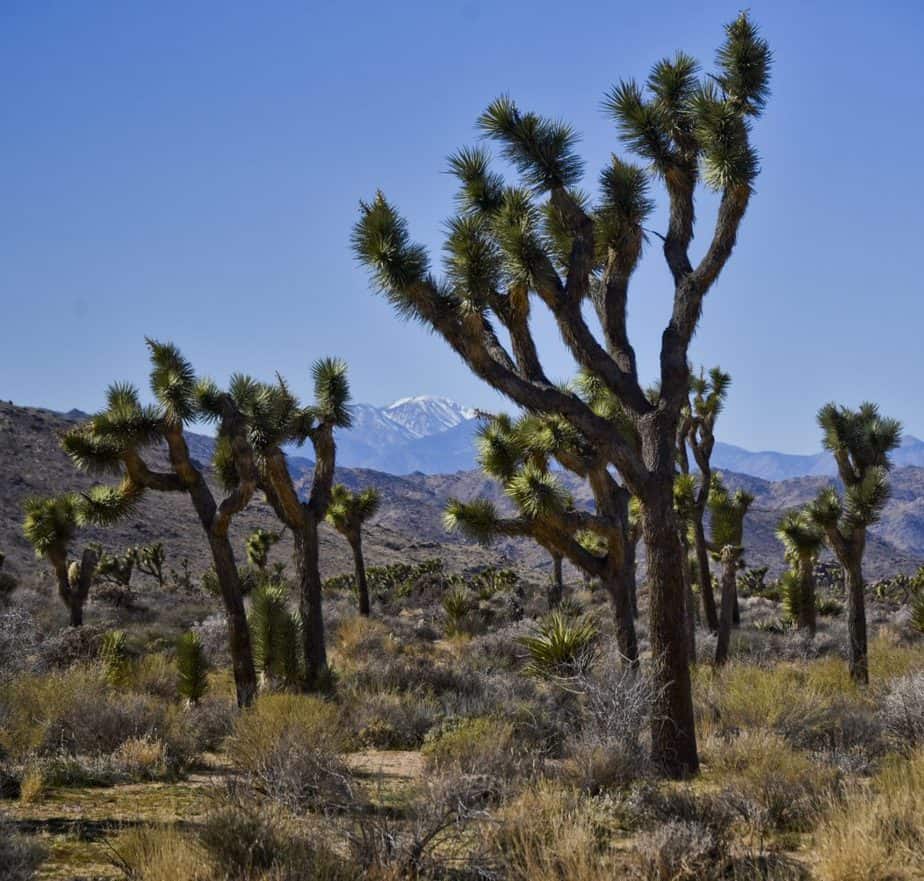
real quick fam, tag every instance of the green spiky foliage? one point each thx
(347, 513)
(275, 635)
(116, 659)
(192, 667)
(275, 419)
(115, 568)
(259, 544)
(696, 435)
(51, 525)
(726, 520)
(861, 441)
(560, 647)
(803, 540)
(116, 441)
(518, 454)
(150, 560)
(539, 237)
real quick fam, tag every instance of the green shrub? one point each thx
(481, 745)
(115, 657)
(276, 635)
(560, 646)
(192, 667)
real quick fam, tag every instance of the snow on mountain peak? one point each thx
(423, 415)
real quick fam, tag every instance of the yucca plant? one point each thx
(275, 633)
(192, 667)
(540, 238)
(115, 657)
(860, 441)
(560, 646)
(347, 513)
(457, 604)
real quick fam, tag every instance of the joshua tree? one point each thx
(150, 559)
(803, 540)
(509, 243)
(685, 493)
(192, 667)
(861, 441)
(259, 544)
(347, 513)
(517, 454)
(274, 419)
(114, 440)
(51, 524)
(727, 513)
(696, 432)
(114, 568)
(275, 635)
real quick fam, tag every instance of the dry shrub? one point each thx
(288, 747)
(481, 745)
(33, 786)
(876, 832)
(211, 720)
(20, 857)
(392, 720)
(162, 853)
(903, 712)
(154, 674)
(550, 833)
(680, 850)
(142, 758)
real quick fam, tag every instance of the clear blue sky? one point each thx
(191, 171)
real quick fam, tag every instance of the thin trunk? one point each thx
(75, 607)
(736, 612)
(689, 605)
(629, 575)
(309, 606)
(673, 736)
(359, 567)
(626, 637)
(705, 577)
(557, 585)
(729, 568)
(856, 620)
(807, 595)
(245, 675)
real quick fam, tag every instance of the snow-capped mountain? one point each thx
(425, 415)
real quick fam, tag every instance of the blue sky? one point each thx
(191, 171)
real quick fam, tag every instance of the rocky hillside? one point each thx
(408, 528)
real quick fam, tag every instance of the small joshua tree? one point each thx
(114, 568)
(803, 539)
(275, 418)
(51, 525)
(275, 635)
(727, 511)
(861, 441)
(541, 239)
(696, 433)
(259, 543)
(347, 513)
(192, 666)
(150, 560)
(114, 441)
(518, 454)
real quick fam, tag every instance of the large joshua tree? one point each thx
(347, 513)
(860, 441)
(518, 454)
(727, 511)
(696, 434)
(803, 539)
(275, 418)
(543, 238)
(115, 439)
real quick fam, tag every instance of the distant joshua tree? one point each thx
(518, 455)
(150, 559)
(347, 513)
(275, 419)
(696, 433)
(51, 524)
(803, 539)
(113, 441)
(542, 239)
(259, 543)
(727, 511)
(861, 441)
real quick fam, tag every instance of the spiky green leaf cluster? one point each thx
(192, 667)
(476, 519)
(744, 60)
(116, 659)
(560, 647)
(51, 523)
(800, 534)
(108, 505)
(173, 382)
(348, 510)
(275, 633)
(727, 512)
(537, 493)
(863, 436)
(331, 392)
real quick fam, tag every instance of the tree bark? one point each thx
(856, 621)
(673, 736)
(736, 611)
(729, 569)
(689, 606)
(705, 577)
(629, 575)
(807, 611)
(359, 568)
(626, 637)
(557, 585)
(310, 605)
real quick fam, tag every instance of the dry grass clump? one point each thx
(680, 850)
(20, 857)
(480, 745)
(287, 747)
(903, 712)
(390, 719)
(876, 832)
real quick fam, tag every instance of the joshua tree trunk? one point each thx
(807, 595)
(310, 607)
(673, 733)
(626, 638)
(856, 620)
(74, 583)
(689, 606)
(359, 567)
(705, 576)
(557, 585)
(736, 611)
(729, 569)
(630, 578)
